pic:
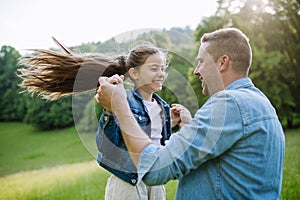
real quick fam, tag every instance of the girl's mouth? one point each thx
(158, 82)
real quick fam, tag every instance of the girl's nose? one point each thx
(163, 72)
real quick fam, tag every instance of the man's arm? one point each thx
(111, 94)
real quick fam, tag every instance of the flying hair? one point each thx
(54, 74)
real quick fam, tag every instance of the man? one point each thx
(233, 148)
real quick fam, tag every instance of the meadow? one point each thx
(55, 165)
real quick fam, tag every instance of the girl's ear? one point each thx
(133, 74)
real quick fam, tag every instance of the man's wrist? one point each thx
(123, 111)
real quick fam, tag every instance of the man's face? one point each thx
(208, 72)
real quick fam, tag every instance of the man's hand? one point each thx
(180, 115)
(111, 93)
(112, 96)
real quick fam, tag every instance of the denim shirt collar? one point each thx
(240, 83)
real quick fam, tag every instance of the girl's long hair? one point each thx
(54, 74)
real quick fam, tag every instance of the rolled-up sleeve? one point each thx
(147, 159)
(159, 164)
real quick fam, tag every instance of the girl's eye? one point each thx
(154, 68)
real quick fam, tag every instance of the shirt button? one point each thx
(133, 181)
(140, 118)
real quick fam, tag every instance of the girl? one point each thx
(146, 67)
(53, 75)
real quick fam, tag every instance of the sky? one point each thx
(27, 24)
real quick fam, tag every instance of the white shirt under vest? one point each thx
(156, 120)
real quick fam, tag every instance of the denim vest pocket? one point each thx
(141, 117)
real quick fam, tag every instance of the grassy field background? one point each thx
(56, 165)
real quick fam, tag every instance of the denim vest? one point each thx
(112, 152)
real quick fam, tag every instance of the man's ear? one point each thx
(223, 63)
(133, 74)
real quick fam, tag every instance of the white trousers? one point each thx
(117, 189)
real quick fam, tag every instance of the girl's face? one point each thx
(149, 77)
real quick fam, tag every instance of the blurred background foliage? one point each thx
(272, 26)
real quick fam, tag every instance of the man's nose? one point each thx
(197, 71)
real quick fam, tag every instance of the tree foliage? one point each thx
(12, 107)
(274, 31)
(47, 115)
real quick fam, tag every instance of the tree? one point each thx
(11, 104)
(47, 115)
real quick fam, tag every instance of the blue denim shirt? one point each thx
(112, 152)
(233, 148)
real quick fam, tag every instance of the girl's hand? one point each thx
(180, 115)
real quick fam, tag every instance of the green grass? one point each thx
(291, 171)
(51, 165)
(56, 165)
(22, 148)
(70, 181)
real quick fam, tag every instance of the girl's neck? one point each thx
(145, 95)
